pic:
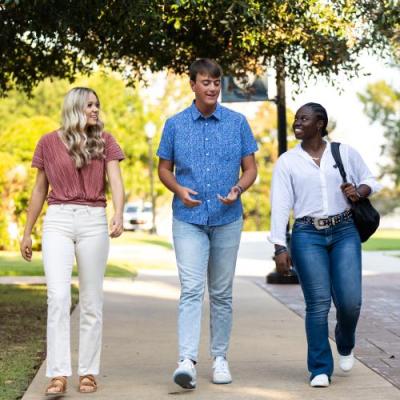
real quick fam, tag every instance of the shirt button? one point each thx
(208, 169)
(206, 123)
(206, 154)
(208, 201)
(208, 184)
(206, 138)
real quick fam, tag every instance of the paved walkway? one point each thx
(378, 331)
(268, 349)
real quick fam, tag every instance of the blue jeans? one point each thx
(205, 253)
(328, 263)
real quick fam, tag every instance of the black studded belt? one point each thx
(323, 223)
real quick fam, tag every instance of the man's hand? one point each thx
(283, 263)
(184, 194)
(350, 191)
(233, 195)
(25, 247)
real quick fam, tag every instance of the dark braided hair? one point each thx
(321, 114)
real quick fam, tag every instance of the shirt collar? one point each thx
(298, 149)
(196, 114)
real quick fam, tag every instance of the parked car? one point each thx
(138, 216)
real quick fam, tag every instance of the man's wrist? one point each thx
(239, 188)
(178, 190)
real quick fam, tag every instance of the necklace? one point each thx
(320, 150)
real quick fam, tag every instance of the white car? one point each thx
(138, 216)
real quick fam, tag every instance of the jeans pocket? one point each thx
(52, 211)
(300, 226)
(97, 211)
(347, 222)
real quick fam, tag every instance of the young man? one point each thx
(206, 145)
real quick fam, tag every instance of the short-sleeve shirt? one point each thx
(68, 184)
(207, 155)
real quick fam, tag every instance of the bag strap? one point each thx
(338, 160)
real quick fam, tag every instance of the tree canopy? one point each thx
(382, 105)
(49, 38)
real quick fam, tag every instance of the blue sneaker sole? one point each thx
(184, 380)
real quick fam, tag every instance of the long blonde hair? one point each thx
(84, 142)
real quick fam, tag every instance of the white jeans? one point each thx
(71, 231)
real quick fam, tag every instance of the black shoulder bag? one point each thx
(366, 218)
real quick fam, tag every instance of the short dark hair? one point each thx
(321, 114)
(205, 66)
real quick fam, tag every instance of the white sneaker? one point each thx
(346, 362)
(321, 380)
(185, 374)
(221, 372)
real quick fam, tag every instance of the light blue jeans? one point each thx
(205, 253)
(328, 263)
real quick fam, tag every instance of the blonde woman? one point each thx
(74, 162)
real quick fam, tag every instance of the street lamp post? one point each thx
(150, 131)
(275, 276)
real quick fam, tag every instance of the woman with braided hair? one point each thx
(325, 244)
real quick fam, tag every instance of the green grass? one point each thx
(12, 264)
(383, 240)
(142, 238)
(22, 336)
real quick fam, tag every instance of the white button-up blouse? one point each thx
(298, 183)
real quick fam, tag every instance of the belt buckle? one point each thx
(318, 225)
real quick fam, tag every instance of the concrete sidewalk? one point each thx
(378, 329)
(267, 357)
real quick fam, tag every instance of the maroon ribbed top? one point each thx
(68, 184)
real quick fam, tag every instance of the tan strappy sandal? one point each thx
(87, 384)
(57, 386)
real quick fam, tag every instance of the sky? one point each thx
(352, 125)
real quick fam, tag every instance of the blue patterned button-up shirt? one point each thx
(207, 154)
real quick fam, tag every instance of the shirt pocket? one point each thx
(185, 153)
(229, 150)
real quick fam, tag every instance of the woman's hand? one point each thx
(25, 247)
(283, 263)
(350, 191)
(38, 197)
(116, 226)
